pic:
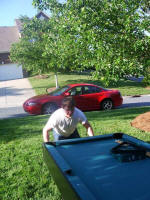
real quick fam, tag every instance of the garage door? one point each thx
(10, 72)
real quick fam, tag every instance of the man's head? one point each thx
(68, 105)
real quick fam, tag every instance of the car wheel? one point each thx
(107, 104)
(49, 108)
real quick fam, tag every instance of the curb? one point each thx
(137, 96)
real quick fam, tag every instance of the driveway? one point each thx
(13, 93)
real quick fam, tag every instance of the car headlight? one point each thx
(31, 104)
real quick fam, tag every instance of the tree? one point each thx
(106, 35)
(30, 50)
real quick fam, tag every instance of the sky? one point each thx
(12, 9)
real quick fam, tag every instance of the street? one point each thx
(128, 102)
(140, 101)
(13, 93)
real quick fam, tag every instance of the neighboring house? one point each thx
(41, 15)
(8, 36)
(8, 70)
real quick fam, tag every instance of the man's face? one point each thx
(68, 111)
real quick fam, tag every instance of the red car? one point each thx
(87, 97)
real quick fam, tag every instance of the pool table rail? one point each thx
(61, 172)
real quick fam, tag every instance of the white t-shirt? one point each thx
(64, 125)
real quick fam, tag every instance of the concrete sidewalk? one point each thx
(13, 93)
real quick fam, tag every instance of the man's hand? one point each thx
(88, 128)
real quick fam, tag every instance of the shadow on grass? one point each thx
(96, 82)
(65, 79)
(128, 83)
(31, 126)
(21, 128)
(122, 114)
(121, 83)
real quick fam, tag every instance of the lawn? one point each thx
(24, 175)
(126, 87)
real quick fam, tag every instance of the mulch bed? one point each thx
(148, 87)
(41, 76)
(142, 122)
(50, 89)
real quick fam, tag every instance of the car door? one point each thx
(86, 97)
(90, 95)
(76, 92)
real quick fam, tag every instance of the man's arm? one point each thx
(88, 128)
(46, 134)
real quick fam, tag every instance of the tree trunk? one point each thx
(56, 80)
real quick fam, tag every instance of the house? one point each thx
(8, 70)
(8, 36)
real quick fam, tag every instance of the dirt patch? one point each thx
(50, 89)
(148, 87)
(41, 76)
(142, 122)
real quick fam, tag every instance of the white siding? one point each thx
(10, 72)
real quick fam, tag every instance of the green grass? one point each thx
(23, 173)
(126, 87)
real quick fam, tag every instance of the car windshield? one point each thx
(59, 91)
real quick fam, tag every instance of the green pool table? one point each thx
(107, 167)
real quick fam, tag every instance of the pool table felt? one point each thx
(103, 175)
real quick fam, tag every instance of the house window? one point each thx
(4, 58)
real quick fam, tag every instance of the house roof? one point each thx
(42, 15)
(11, 34)
(8, 35)
(39, 15)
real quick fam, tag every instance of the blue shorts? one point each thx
(57, 136)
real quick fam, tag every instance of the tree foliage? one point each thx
(104, 35)
(107, 36)
(31, 47)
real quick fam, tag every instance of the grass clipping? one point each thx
(142, 122)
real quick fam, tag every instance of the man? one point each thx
(63, 122)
